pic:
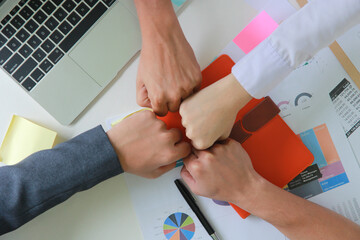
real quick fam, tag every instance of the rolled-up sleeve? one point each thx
(296, 40)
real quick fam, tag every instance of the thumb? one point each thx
(188, 178)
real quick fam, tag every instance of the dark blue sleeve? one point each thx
(49, 177)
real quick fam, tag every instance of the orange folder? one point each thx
(276, 152)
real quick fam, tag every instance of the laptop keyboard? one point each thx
(36, 34)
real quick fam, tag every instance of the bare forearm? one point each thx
(157, 18)
(168, 70)
(298, 218)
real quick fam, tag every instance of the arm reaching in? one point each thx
(225, 172)
(139, 144)
(168, 71)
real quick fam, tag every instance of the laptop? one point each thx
(63, 53)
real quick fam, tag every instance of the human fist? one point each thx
(145, 147)
(168, 72)
(224, 172)
(209, 115)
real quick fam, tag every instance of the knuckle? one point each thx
(175, 96)
(198, 76)
(169, 136)
(200, 144)
(196, 144)
(158, 99)
(182, 112)
(232, 143)
(185, 150)
(147, 113)
(187, 86)
(184, 107)
(208, 157)
(158, 124)
(172, 152)
(176, 131)
(195, 167)
(189, 132)
(217, 148)
(184, 123)
(196, 139)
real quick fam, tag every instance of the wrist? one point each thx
(157, 20)
(251, 193)
(239, 96)
(160, 34)
(115, 140)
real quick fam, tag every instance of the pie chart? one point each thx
(179, 226)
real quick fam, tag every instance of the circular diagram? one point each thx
(179, 226)
(302, 98)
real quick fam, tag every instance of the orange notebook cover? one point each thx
(276, 152)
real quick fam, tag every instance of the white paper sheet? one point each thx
(279, 10)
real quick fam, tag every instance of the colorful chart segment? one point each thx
(178, 2)
(179, 226)
(221, 203)
(327, 171)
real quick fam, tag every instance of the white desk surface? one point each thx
(105, 211)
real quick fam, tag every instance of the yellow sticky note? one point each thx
(24, 138)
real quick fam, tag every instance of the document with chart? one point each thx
(306, 99)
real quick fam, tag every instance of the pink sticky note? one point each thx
(256, 32)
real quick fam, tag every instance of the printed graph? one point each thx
(302, 98)
(326, 172)
(179, 226)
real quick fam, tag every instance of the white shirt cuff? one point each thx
(262, 69)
